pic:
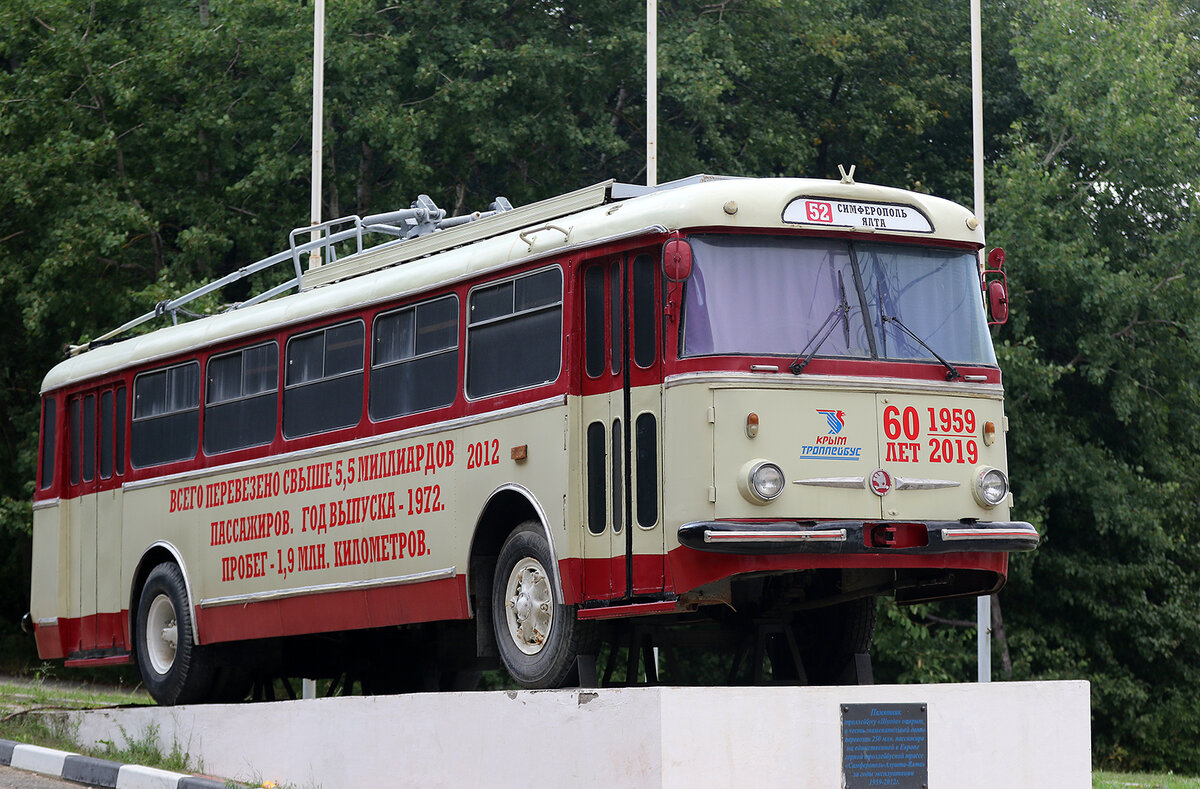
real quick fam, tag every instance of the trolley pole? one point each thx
(983, 605)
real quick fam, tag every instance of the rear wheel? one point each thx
(175, 670)
(538, 638)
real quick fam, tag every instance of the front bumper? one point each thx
(859, 537)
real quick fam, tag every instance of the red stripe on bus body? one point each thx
(49, 641)
(83, 634)
(685, 569)
(689, 568)
(587, 580)
(446, 599)
(352, 609)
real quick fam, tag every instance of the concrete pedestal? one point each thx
(1002, 735)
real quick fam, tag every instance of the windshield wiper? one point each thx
(951, 371)
(840, 311)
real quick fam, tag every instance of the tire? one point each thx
(174, 669)
(538, 638)
(831, 637)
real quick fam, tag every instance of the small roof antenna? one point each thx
(847, 177)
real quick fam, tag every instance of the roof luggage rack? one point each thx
(421, 230)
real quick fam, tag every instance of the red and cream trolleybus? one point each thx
(748, 405)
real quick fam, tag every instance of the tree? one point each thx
(1096, 203)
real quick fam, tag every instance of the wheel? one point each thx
(831, 637)
(175, 670)
(538, 638)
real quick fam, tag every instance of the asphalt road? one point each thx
(11, 778)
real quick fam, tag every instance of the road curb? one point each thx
(91, 771)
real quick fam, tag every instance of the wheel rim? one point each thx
(529, 603)
(162, 634)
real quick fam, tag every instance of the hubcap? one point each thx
(529, 601)
(162, 634)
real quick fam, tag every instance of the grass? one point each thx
(1102, 779)
(26, 707)
(30, 712)
(18, 695)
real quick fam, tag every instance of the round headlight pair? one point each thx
(761, 481)
(991, 486)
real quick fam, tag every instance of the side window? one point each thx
(615, 315)
(106, 434)
(597, 517)
(76, 418)
(414, 359)
(323, 386)
(166, 415)
(618, 476)
(646, 446)
(514, 334)
(645, 312)
(49, 410)
(120, 431)
(88, 438)
(240, 406)
(593, 319)
(112, 432)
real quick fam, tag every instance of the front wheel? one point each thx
(175, 670)
(538, 638)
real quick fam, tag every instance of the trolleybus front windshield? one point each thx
(762, 295)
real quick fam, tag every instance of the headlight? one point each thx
(991, 487)
(764, 481)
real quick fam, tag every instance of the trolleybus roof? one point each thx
(437, 251)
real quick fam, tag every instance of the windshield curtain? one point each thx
(763, 295)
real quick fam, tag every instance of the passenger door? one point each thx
(621, 375)
(96, 429)
(82, 410)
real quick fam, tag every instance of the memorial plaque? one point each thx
(885, 745)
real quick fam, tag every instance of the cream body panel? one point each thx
(48, 590)
(794, 434)
(111, 595)
(81, 549)
(295, 540)
(795, 423)
(574, 494)
(687, 457)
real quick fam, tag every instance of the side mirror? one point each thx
(995, 259)
(997, 301)
(677, 260)
(995, 288)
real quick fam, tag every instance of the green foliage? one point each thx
(1108, 780)
(146, 146)
(1095, 201)
(146, 749)
(924, 643)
